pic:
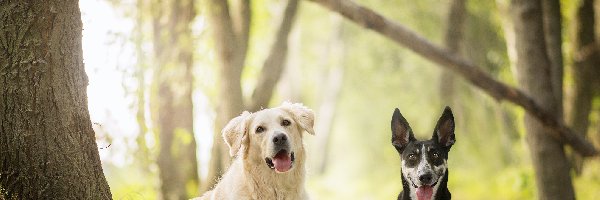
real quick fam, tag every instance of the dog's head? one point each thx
(270, 138)
(423, 162)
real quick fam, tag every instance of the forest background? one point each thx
(353, 79)
(165, 76)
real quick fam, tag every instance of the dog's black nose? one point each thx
(426, 178)
(280, 139)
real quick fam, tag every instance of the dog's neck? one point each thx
(267, 184)
(441, 193)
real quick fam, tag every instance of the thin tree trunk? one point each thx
(241, 25)
(47, 143)
(553, 37)
(230, 98)
(535, 77)
(500, 91)
(511, 134)
(333, 69)
(327, 111)
(584, 60)
(596, 70)
(509, 35)
(596, 136)
(176, 161)
(273, 66)
(452, 40)
(290, 84)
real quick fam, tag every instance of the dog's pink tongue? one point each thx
(424, 192)
(282, 162)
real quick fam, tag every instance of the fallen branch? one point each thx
(500, 91)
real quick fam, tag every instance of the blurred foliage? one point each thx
(488, 161)
(129, 183)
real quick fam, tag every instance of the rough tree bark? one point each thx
(177, 163)
(231, 34)
(500, 91)
(585, 59)
(47, 143)
(535, 77)
(452, 39)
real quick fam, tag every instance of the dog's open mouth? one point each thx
(281, 162)
(424, 191)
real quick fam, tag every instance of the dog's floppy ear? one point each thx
(444, 130)
(304, 116)
(401, 131)
(235, 132)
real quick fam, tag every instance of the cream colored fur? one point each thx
(249, 177)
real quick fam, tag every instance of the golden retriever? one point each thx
(268, 155)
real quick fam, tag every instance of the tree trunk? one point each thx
(508, 118)
(584, 60)
(452, 40)
(47, 143)
(273, 67)
(535, 77)
(177, 163)
(510, 132)
(332, 68)
(290, 84)
(553, 37)
(327, 110)
(231, 102)
(498, 90)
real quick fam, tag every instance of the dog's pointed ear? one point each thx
(304, 116)
(401, 131)
(235, 132)
(444, 130)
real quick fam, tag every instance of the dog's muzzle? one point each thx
(425, 191)
(283, 158)
(281, 162)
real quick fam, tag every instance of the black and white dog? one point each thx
(424, 163)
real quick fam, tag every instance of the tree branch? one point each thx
(231, 64)
(273, 66)
(453, 39)
(242, 28)
(405, 37)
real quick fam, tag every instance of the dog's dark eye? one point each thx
(286, 122)
(259, 129)
(435, 155)
(412, 157)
